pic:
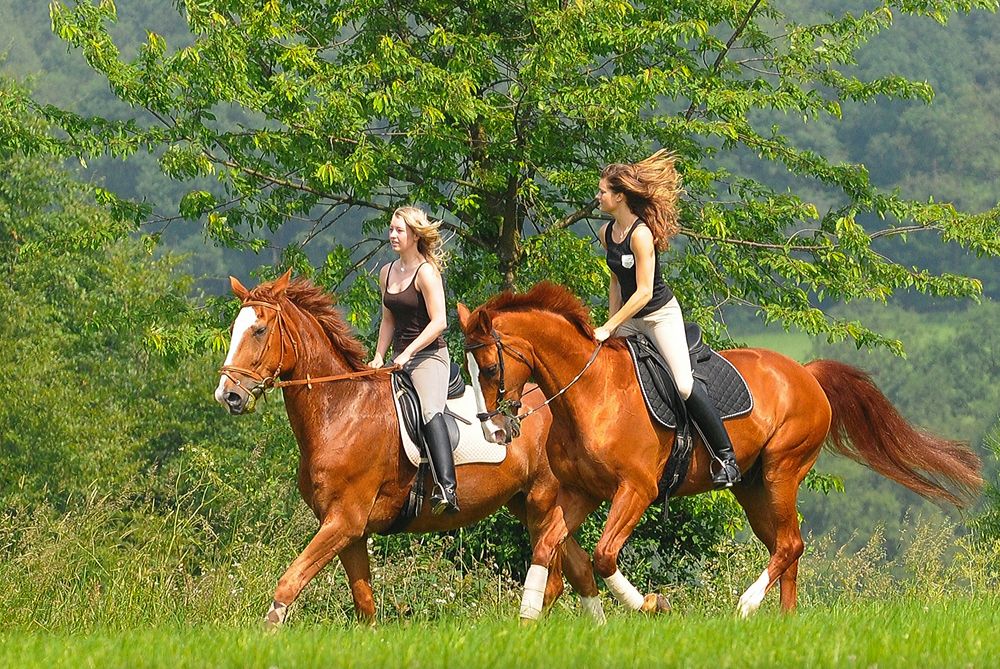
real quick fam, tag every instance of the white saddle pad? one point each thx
(472, 445)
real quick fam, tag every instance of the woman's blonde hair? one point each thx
(428, 232)
(651, 188)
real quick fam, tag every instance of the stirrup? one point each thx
(440, 503)
(727, 475)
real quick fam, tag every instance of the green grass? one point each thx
(796, 345)
(943, 633)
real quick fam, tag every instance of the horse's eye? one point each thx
(490, 371)
(259, 331)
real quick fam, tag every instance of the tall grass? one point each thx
(108, 565)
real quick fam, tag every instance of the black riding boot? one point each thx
(442, 466)
(700, 407)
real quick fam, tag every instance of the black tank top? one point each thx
(409, 313)
(621, 261)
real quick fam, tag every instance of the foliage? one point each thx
(986, 526)
(499, 119)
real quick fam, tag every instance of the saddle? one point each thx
(409, 406)
(467, 441)
(726, 387)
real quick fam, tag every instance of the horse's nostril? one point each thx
(233, 399)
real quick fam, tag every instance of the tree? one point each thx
(498, 117)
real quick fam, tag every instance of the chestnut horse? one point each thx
(604, 446)
(353, 473)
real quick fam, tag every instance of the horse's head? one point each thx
(261, 348)
(499, 366)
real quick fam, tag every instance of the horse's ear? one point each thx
(239, 290)
(281, 283)
(463, 316)
(480, 322)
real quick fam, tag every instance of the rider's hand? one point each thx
(376, 362)
(601, 333)
(401, 359)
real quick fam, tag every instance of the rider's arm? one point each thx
(387, 327)
(614, 289)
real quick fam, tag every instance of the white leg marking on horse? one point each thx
(624, 591)
(593, 606)
(754, 596)
(246, 318)
(534, 592)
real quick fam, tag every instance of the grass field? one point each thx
(959, 632)
(794, 344)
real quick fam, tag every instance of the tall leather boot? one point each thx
(717, 440)
(442, 462)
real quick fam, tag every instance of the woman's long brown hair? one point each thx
(651, 188)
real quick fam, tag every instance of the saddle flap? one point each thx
(456, 386)
(410, 414)
(409, 405)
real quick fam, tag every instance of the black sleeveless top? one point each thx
(621, 261)
(409, 312)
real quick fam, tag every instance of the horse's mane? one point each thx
(545, 296)
(319, 304)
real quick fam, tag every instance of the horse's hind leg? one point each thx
(770, 505)
(359, 577)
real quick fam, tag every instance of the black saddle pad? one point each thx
(726, 386)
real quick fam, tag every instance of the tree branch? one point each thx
(722, 54)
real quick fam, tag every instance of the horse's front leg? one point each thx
(359, 576)
(627, 507)
(333, 536)
(547, 536)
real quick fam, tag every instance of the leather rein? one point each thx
(264, 383)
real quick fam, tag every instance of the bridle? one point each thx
(507, 407)
(264, 383)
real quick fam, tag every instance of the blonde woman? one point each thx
(413, 319)
(642, 199)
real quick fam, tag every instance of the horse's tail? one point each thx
(867, 428)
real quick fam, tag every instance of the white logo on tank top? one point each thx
(628, 261)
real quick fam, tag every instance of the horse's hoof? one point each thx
(275, 617)
(655, 603)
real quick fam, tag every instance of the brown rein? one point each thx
(308, 381)
(272, 381)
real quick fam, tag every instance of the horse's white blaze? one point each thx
(624, 591)
(593, 606)
(244, 321)
(488, 428)
(754, 596)
(534, 592)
